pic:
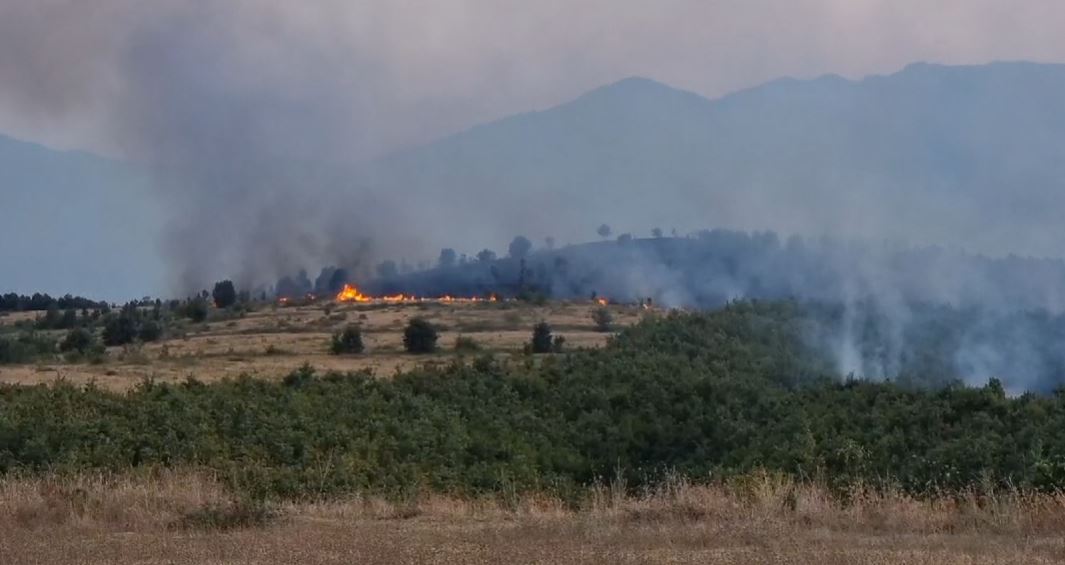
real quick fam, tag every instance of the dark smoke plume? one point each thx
(250, 130)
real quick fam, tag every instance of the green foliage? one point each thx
(603, 319)
(697, 395)
(542, 341)
(119, 329)
(133, 323)
(347, 341)
(78, 340)
(196, 310)
(224, 294)
(53, 320)
(150, 331)
(419, 336)
(26, 348)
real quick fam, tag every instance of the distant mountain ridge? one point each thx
(72, 222)
(971, 155)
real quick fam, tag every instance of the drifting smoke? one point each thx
(249, 119)
(924, 315)
(253, 120)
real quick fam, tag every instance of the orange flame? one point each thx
(602, 301)
(352, 294)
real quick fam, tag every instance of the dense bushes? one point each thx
(25, 348)
(195, 309)
(708, 395)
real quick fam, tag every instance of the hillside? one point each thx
(954, 156)
(94, 227)
(949, 155)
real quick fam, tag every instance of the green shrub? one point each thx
(119, 329)
(419, 336)
(541, 339)
(150, 331)
(224, 294)
(79, 340)
(348, 341)
(196, 310)
(603, 319)
(26, 348)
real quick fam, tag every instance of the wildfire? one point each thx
(351, 293)
(602, 301)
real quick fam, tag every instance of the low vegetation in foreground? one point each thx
(705, 397)
(154, 515)
(689, 437)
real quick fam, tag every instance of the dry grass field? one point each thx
(169, 516)
(275, 340)
(161, 519)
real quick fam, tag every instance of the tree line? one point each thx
(13, 302)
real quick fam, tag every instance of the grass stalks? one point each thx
(161, 500)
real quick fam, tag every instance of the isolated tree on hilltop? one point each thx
(656, 233)
(603, 231)
(519, 247)
(224, 294)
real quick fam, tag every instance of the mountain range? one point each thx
(970, 156)
(958, 156)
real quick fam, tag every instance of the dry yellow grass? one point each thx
(138, 519)
(274, 341)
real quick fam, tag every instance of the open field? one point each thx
(272, 341)
(161, 519)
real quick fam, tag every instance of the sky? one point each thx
(244, 113)
(401, 72)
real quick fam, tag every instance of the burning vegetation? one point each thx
(351, 293)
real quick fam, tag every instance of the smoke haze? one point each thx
(262, 126)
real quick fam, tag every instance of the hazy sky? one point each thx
(403, 71)
(240, 110)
